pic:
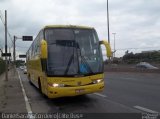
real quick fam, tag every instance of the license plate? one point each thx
(79, 90)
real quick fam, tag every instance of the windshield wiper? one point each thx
(69, 64)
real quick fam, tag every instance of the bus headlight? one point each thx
(56, 85)
(97, 81)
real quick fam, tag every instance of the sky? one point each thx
(136, 23)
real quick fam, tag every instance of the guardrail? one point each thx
(132, 70)
(129, 69)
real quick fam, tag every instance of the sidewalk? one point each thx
(11, 97)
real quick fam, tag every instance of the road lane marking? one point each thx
(128, 78)
(145, 109)
(28, 106)
(104, 96)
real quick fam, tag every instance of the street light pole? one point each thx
(114, 44)
(108, 23)
(6, 68)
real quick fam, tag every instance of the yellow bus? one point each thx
(66, 60)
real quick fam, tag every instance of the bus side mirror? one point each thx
(44, 52)
(108, 47)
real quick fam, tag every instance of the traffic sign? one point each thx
(22, 56)
(27, 38)
(6, 54)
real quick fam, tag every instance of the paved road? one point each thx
(124, 93)
(134, 89)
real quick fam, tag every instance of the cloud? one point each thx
(136, 23)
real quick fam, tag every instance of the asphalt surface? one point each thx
(134, 89)
(124, 93)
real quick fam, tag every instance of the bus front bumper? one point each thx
(55, 92)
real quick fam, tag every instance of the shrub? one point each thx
(2, 66)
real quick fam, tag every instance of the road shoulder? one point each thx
(12, 100)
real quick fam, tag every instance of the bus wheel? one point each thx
(40, 89)
(29, 78)
(39, 85)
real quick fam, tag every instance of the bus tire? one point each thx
(39, 85)
(40, 88)
(29, 78)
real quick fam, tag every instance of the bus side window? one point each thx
(39, 41)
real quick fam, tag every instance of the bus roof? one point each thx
(68, 26)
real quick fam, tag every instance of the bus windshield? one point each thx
(73, 52)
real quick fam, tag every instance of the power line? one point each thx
(22, 47)
(0, 44)
(2, 19)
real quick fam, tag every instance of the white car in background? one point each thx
(21, 67)
(145, 65)
(25, 70)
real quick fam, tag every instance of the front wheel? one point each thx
(29, 78)
(39, 86)
(40, 89)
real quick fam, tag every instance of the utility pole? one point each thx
(24, 38)
(114, 45)
(14, 50)
(6, 68)
(9, 57)
(1, 52)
